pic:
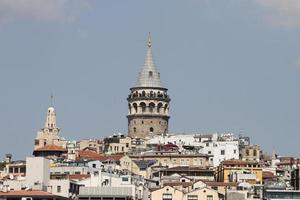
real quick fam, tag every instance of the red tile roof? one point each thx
(268, 175)
(79, 176)
(51, 147)
(91, 155)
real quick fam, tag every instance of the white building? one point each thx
(220, 146)
(221, 150)
(38, 178)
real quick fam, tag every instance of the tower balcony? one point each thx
(132, 98)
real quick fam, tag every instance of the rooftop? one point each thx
(186, 168)
(239, 162)
(144, 164)
(28, 193)
(51, 147)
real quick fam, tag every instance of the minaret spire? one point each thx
(51, 100)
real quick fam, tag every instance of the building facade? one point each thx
(148, 102)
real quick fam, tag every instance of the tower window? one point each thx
(150, 73)
(134, 129)
(151, 129)
(142, 122)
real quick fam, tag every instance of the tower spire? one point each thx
(149, 75)
(149, 40)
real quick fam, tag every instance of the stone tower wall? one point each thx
(143, 126)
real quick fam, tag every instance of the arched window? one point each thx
(159, 106)
(143, 94)
(135, 107)
(134, 129)
(151, 94)
(150, 73)
(165, 108)
(129, 106)
(254, 152)
(151, 107)
(143, 106)
(247, 152)
(151, 129)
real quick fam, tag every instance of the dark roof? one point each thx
(178, 183)
(239, 162)
(144, 164)
(29, 193)
(187, 168)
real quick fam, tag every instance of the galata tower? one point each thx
(148, 102)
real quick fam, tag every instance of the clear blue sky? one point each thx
(229, 66)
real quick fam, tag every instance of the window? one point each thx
(192, 197)
(223, 152)
(125, 179)
(151, 129)
(134, 129)
(247, 152)
(254, 153)
(58, 189)
(77, 172)
(209, 197)
(150, 73)
(94, 165)
(207, 144)
(22, 169)
(209, 152)
(234, 151)
(167, 197)
(36, 142)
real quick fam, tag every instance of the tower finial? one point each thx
(149, 40)
(51, 97)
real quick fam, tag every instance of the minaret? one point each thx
(148, 101)
(49, 134)
(50, 118)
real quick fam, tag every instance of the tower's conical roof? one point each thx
(149, 75)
